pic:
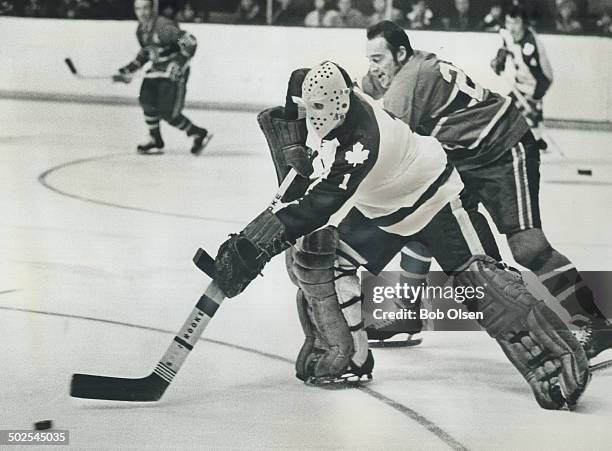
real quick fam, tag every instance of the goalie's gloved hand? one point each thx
(243, 256)
(298, 157)
(123, 75)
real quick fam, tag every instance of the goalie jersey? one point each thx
(474, 125)
(375, 163)
(162, 42)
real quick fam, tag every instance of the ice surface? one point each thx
(92, 234)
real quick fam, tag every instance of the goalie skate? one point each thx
(347, 380)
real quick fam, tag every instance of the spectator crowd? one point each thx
(562, 16)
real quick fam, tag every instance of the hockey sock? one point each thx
(153, 124)
(415, 263)
(182, 122)
(564, 282)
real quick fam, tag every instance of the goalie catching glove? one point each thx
(243, 256)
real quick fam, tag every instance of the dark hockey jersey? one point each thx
(162, 42)
(375, 163)
(474, 125)
(532, 70)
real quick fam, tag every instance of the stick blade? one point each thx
(146, 389)
(70, 65)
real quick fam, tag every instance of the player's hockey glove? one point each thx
(243, 256)
(123, 75)
(498, 64)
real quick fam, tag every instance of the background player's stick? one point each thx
(523, 101)
(73, 70)
(153, 386)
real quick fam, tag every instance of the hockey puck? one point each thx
(585, 172)
(42, 425)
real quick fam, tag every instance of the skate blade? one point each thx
(408, 342)
(339, 383)
(150, 152)
(601, 366)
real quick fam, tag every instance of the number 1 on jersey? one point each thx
(344, 184)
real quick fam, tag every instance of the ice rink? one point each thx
(96, 277)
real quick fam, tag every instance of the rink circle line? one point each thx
(42, 179)
(399, 407)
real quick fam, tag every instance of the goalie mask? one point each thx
(326, 97)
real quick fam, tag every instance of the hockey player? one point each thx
(162, 95)
(532, 71)
(400, 187)
(489, 142)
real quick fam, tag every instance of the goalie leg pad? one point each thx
(308, 348)
(328, 347)
(348, 290)
(533, 338)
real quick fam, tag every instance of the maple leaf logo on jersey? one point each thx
(358, 155)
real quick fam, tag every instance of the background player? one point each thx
(496, 154)
(401, 187)
(533, 73)
(162, 94)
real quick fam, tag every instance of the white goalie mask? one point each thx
(326, 98)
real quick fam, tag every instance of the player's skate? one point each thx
(151, 147)
(200, 141)
(594, 334)
(395, 333)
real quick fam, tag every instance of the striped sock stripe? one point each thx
(570, 291)
(411, 275)
(554, 272)
(410, 253)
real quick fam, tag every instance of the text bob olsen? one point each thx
(426, 314)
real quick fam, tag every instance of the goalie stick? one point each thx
(152, 387)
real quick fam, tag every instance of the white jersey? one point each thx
(532, 70)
